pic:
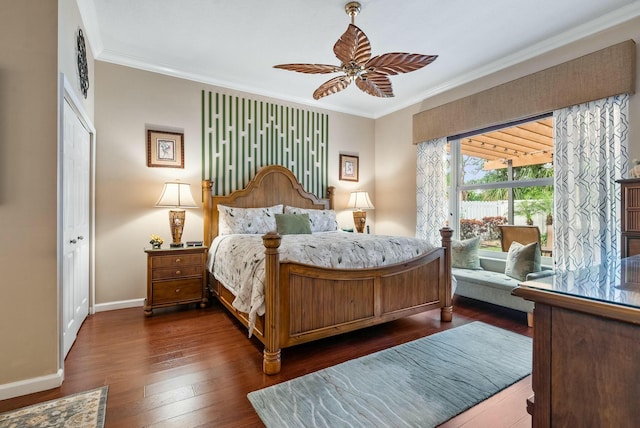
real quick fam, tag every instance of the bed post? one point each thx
(271, 357)
(446, 312)
(330, 193)
(206, 194)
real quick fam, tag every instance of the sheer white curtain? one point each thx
(590, 153)
(431, 194)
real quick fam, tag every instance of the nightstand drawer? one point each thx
(177, 291)
(176, 272)
(176, 260)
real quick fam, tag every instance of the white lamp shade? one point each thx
(176, 194)
(359, 200)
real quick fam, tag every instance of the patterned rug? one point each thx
(81, 410)
(417, 384)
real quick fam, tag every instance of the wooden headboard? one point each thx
(272, 185)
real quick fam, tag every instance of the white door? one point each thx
(76, 169)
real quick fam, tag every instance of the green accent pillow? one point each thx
(464, 254)
(522, 260)
(293, 224)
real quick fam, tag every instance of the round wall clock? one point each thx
(83, 69)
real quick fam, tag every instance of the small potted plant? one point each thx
(156, 242)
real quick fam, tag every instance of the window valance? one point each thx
(607, 72)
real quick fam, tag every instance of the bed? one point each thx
(302, 302)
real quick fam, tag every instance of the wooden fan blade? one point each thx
(331, 87)
(353, 46)
(398, 62)
(375, 84)
(309, 68)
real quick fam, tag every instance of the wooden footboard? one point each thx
(305, 303)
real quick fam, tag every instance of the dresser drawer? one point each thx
(176, 260)
(176, 272)
(630, 245)
(177, 291)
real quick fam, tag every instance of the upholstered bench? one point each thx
(487, 281)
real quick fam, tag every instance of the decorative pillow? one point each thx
(321, 220)
(464, 254)
(232, 220)
(293, 224)
(522, 260)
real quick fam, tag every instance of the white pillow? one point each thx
(232, 220)
(522, 260)
(321, 220)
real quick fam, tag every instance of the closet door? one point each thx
(76, 155)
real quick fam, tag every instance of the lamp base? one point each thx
(176, 222)
(359, 219)
(179, 245)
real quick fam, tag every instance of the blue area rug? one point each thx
(82, 410)
(417, 384)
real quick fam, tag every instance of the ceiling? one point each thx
(235, 44)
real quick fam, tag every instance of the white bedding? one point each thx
(237, 261)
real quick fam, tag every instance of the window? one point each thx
(504, 176)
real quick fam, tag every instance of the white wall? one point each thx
(69, 23)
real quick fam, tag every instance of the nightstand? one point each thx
(175, 276)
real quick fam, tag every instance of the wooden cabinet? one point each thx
(175, 276)
(586, 343)
(630, 222)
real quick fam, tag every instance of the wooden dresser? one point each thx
(630, 227)
(175, 276)
(586, 347)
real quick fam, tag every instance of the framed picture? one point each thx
(165, 149)
(349, 168)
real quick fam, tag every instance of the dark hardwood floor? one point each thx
(187, 367)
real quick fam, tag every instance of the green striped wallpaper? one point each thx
(239, 136)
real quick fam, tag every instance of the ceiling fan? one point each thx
(354, 52)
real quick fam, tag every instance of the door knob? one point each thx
(73, 241)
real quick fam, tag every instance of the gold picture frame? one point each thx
(349, 168)
(165, 149)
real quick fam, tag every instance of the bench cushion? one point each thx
(490, 286)
(485, 278)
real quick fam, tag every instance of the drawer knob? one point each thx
(178, 272)
(177, 290)
(178, 260)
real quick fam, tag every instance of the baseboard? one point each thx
(122, 304)
(29, 386)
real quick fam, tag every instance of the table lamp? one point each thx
(359, 201)
(176, 195)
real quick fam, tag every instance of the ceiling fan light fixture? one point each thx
(354, 52)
